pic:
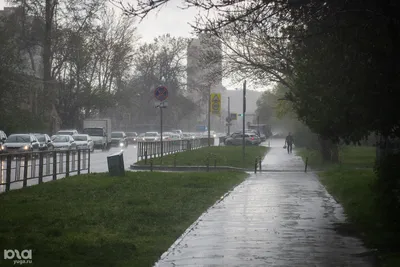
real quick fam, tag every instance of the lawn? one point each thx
(349, 157)
(97, 220)
(224, 156)
(353, 185)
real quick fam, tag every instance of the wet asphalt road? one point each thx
(98, 163)
(271, 219)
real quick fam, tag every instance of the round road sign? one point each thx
(215, 106)
(161, 93)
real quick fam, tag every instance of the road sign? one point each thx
(161, 93)
(159, 104)
(233, 116)
(215, 103)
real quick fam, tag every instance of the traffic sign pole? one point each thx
(229, 115)
(244, 123)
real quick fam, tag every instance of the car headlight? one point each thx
(121, 144)
(26, 147)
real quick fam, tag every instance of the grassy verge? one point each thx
(96, 220)
(355, 190)
(349, 156)
(224, 155)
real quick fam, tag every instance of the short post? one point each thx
(151, 164)
(175, 159)
(255, 165)
(305, 168)
(67, 164)
(145, 157)
(40, 168)
(88, 170)
(208, 163)
(25, 183)
(259, 163)
(215, 162)
(8, 173)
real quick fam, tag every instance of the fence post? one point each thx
(47, 163)
(215, 161)
(73, 160)
(305, 168)
(260, 163)
(79, 161)
(151, 165)
(145, 157)
(208, 163)
(25, 182)
(54, 165)
(40, 168)
(8, 173)
(67, 164)
(88, 161)
(255, 165)
(175, 159)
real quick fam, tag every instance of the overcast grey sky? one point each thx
(169, 19)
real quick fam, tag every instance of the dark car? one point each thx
(45, 142)
(119, 139)
(131, 137)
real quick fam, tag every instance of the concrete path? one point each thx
(271, 219)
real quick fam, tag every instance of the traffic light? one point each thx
(240, 115)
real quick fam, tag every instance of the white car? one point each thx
(83, 141)
(151, 137)
(63, 142)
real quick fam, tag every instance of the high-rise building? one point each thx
(204, 76)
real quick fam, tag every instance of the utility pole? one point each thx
(244, 122)
(229, 116)
(161, 130)
(209, 115)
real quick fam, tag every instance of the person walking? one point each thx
(289, 143)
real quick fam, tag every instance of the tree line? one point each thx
(64, 61)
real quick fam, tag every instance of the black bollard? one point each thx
(175, 159)
(255, 166)
(260, 163)
(145, 157)
(208, 164)
(305, 168)
(151, 165)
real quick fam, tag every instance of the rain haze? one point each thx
(256, 141)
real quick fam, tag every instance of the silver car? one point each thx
(20, 143)
(63, 142)
(83, 141)
(237, 139)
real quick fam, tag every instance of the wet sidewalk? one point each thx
(271, 219)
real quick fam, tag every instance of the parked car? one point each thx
(67, 132)
(237, 139)
(131, 137)
(64, 142)
(119, 139)
(179, 132)
(83, 141)
(151, 136)
(45, 141)
(20, 143)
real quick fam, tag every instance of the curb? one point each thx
(192, 227)
(185, 168)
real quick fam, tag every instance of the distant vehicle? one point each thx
(212, 134)
(131, 137)
(100, 132)
(67, 132)
(84, 141)
(175, 136)
(178, 132)
(119, 139)
(166, 136)
(20, 143)
(188, 136)
(151, 136)
(3, 137)
(45, 141)
(237, 139)
(140, 137)
(64, 142)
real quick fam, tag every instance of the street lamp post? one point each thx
(244, 123)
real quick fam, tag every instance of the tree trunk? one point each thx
(325, 149)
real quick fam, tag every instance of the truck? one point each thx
(100, 132)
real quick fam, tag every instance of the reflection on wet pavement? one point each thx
(272, 219)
